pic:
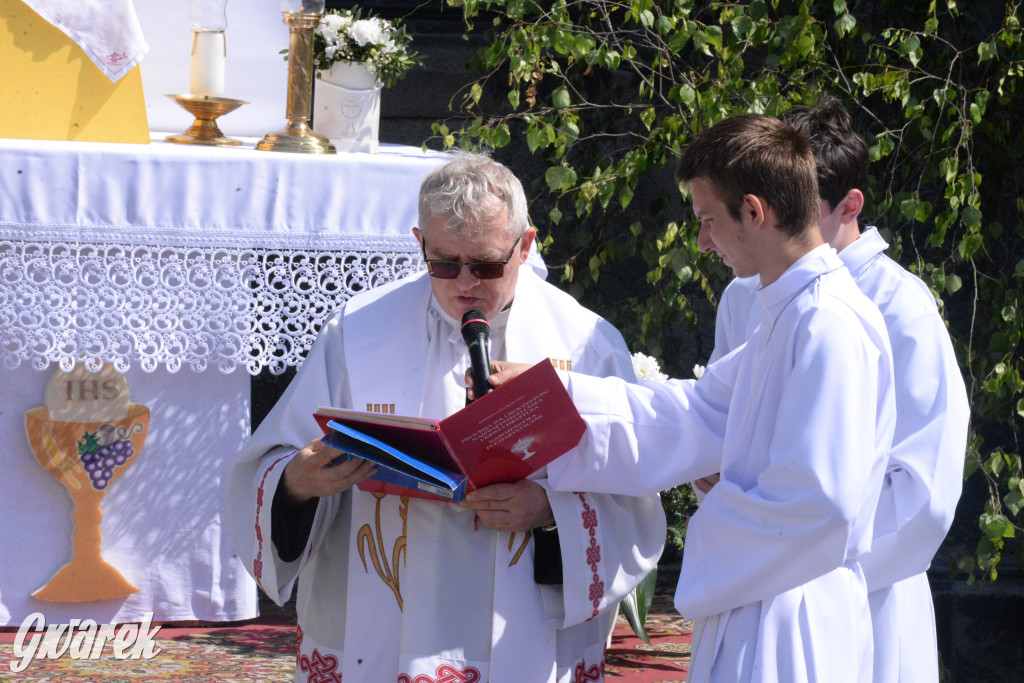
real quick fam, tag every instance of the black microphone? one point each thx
(475, 331)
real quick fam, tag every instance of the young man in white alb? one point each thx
(925, 469)
(798, 421)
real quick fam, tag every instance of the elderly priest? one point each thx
(393, 588)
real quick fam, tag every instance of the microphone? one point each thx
(476, 331)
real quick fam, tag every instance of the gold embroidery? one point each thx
(380, 408)
(511, 542)
(561, 364)
(388, 574)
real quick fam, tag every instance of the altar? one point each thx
(188, 270)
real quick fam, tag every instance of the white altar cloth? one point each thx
(189, 268)
(186, 256)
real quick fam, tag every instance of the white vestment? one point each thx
(799, 422)
(925, 469)
(400, 589)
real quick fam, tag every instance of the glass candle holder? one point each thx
(208, 21)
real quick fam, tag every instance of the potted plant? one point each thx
(355, 56)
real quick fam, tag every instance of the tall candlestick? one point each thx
(297, 136)
(209, 53)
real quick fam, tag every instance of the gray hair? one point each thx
(469, 190)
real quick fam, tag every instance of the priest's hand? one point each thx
(310, 473)
(501, 372)
(521, 506)
(705, 484)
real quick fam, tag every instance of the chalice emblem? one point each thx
(522, 447)
(86, 436)
(351, 110)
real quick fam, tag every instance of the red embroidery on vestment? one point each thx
(320, 668)
(585, 674)
(298, 640)
(589, 516)
(445, 674)
(257, 565)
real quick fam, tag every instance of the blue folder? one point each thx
(395, 466)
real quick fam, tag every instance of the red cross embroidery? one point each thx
(589, 517)
(320, 668)
(445, 674)
(582, 673)
(257, 565)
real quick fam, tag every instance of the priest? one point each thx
(798, 421)
(925, 466)
(392, 588)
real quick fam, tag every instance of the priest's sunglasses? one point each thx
(481, 270)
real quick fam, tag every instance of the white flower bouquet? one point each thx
(382, 46)
(646, 368)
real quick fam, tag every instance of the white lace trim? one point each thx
(174, 298)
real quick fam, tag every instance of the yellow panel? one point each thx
(50, 90)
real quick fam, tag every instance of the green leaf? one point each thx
(535, 138)
(560, 178)
(911, 49)
(971, 217)
(1020, 407)
(648, 116)
(986, 51)
(996, 527)
(560, 97)
(625, 196)
(1014, 502)
(637, 605)
(845, 24)
(953, 284)
(924, 209)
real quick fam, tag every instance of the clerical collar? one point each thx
(454, 327)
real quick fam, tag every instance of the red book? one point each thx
(503, 436)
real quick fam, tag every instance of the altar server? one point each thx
(798, 421)
(404, 589)
(925, 468)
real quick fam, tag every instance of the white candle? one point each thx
(209, 51)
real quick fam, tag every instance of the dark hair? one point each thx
(759, 155)
(841, 154)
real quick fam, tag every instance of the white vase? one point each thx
(346, 107)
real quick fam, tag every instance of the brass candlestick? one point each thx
(207, 110)
(297, 136)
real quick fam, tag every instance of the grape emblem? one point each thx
(103, 450)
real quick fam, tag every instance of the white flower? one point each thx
(698, 371)
(330, 51)
(365, 31)
(329, 35)
(332, 22)
(646, 368)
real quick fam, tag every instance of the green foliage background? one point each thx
(606, 93)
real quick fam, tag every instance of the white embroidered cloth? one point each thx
(107, 30)
(178, 256)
